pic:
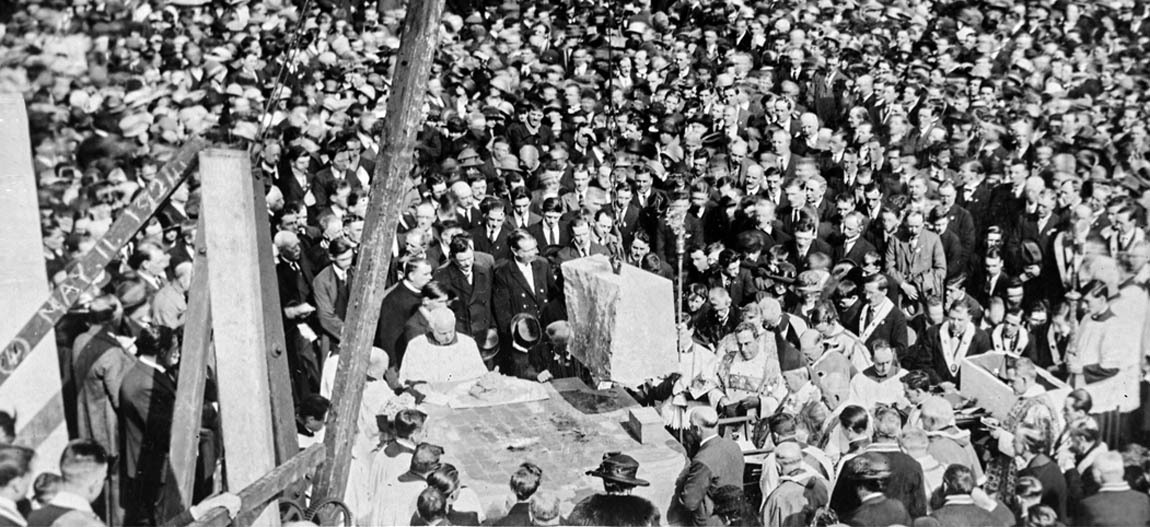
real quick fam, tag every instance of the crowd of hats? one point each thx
(155, 73)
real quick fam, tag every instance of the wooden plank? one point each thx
(279, 377)
(404, 106)
(33, 393)
(89, 266)
(258, 495)
(234, 282)
(194, 358)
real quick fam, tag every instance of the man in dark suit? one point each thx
(959, 509)
(346, 167)
(521, 216)
(853, 246)
(294, 181)
(879, 318)
(523, 284)
(1044, 224)
(992, 280)
(1115, 504)
(792, 213)
(147, 406)
(959, 220)
(718, 463)
(471, 284)
(400, 302)
(490, 234)
(869, 472)
(645, 194)
(298, 304)
(805, 243)
(952, 248)
(942, 347)
(736, 279)
(974, 194)
(582, 243)
(550, 234)
(626, 212)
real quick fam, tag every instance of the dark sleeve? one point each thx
(501, 301)
(695, 485)
(1074, 491)
(898, 336)
(1096, 372)
(917, 505)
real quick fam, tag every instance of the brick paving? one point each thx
(569, 440)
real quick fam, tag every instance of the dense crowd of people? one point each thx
(851, 198)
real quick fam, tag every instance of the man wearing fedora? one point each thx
(471, 284)
(717, 463)
(616, 505)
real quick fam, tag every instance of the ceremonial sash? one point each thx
(876, 318)
(950, 353)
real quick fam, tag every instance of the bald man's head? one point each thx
(706, 419)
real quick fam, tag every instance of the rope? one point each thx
(279, 83)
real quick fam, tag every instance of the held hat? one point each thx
(525, 331)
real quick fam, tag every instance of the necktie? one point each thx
(470, 278)
(554, 236)
(867, 314)
(491, 234)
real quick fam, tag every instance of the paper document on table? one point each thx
(494, 389)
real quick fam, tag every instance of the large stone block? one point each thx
(623, 325)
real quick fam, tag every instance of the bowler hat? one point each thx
(620, 468)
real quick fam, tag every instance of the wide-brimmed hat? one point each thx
(808, 281)
(619, 468)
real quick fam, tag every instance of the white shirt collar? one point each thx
(959, 499)
(339, 273)
(68, 500)
(1114, 487)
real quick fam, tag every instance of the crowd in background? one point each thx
(851, 198)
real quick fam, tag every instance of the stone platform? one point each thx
(565, 435)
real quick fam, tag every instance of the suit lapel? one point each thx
(475, 273)
(523, 279)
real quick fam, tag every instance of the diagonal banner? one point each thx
(88, 268)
